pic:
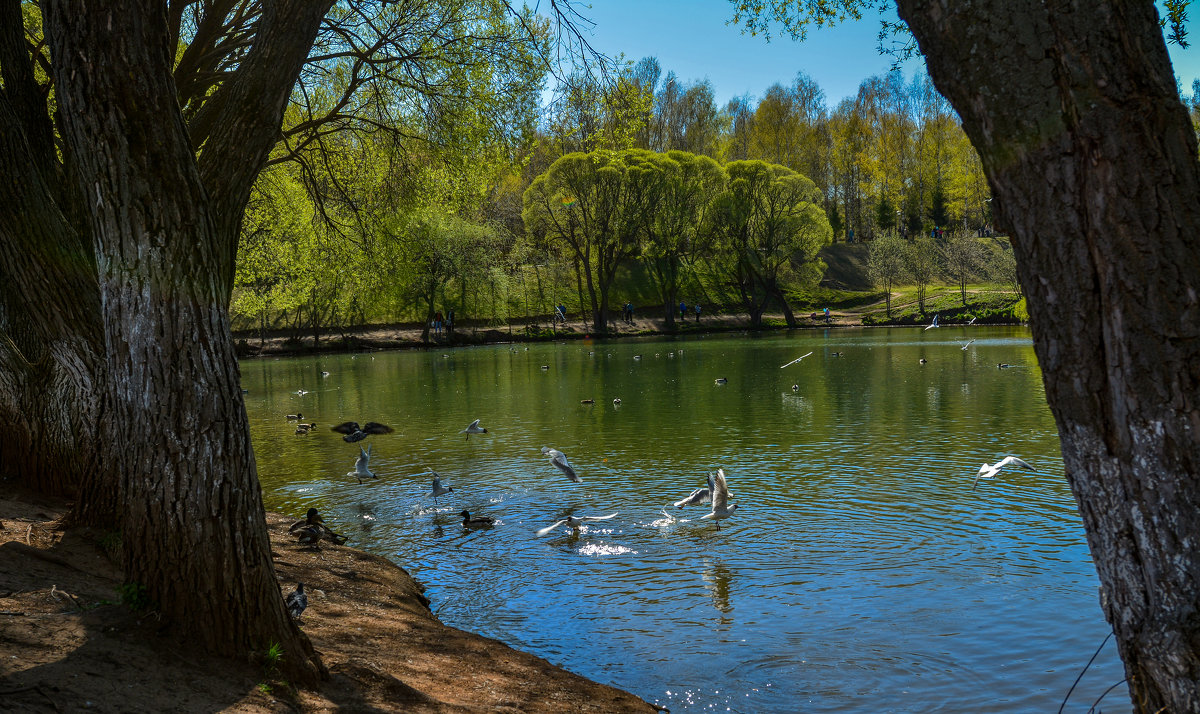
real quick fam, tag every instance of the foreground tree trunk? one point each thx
(178, 452)
(50, 336)
(1092, 160)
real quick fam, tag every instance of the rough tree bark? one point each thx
(178, 449)
(49, 317)
(1093, 163)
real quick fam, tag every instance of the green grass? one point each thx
(988, 304)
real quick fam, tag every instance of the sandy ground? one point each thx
(67, 646)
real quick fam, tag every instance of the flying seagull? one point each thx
(353, 432)
(473, 428)
(559, 460)
(789, 364)
(990, 470)
(438, 489)
(296, 602)
(968, 344)
(573, 522)
(700, 495)
(361, 465)
(720, 500)
(934, 323)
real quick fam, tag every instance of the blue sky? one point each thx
(691, 38)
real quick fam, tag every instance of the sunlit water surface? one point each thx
(860, 573)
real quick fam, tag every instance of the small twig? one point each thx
(1106, 691)
(1085, 668)
(28, 531)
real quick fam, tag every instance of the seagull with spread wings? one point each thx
(990, 470)
(700, 495)
(362, 465)
(720, 500)
(573, 522)
(559, 460)
(473, 428)
(353, 432)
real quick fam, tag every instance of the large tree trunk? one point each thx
(179, 453)
(1092, 160)
(49, 301)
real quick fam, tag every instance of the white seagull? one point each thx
(700, 495)
(720, 500)
(473, 428)
(361, 465)
(789, 364)
(934, 323)
(968, 344)
(559, 460)
(990, 470)
(972, 322)
(438, 489)
(573, 522)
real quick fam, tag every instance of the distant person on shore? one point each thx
(827, 316)
(561, 313)
(697, 306)
(437, 323)
(682, 311)
(450, 321)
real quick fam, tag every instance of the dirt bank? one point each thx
(67, 645)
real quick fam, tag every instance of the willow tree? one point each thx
(595, 207)
(1092, 159)
(674, 233)
(130, 139)
(769, 226)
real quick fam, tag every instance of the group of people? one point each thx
(440, 322)
(683, 311)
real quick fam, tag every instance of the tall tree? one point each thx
(596, 206)
(769, 224)
(674, 233)
(1092, 160)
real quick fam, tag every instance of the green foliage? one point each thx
(272, 657)
(888, 264)
(133, 596)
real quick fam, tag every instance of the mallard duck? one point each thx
(296, 602)
(922, 360)
(721, 380)
(353, 432)
(477, 521)
(795, 387)
(559, 460)
(310, 536)
(313, 519)
(473, 428)
(294, 417)
(587, 401)
(616, 400)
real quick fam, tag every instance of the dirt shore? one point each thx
(66, 644)
(408, 336)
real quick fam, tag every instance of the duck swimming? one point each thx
(477, 521)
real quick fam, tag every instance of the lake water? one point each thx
(860, 573)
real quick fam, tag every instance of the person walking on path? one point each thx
(682, 311)
(826, 316)
(697, 313)
(437, 323)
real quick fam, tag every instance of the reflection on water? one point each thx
(860, 572)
